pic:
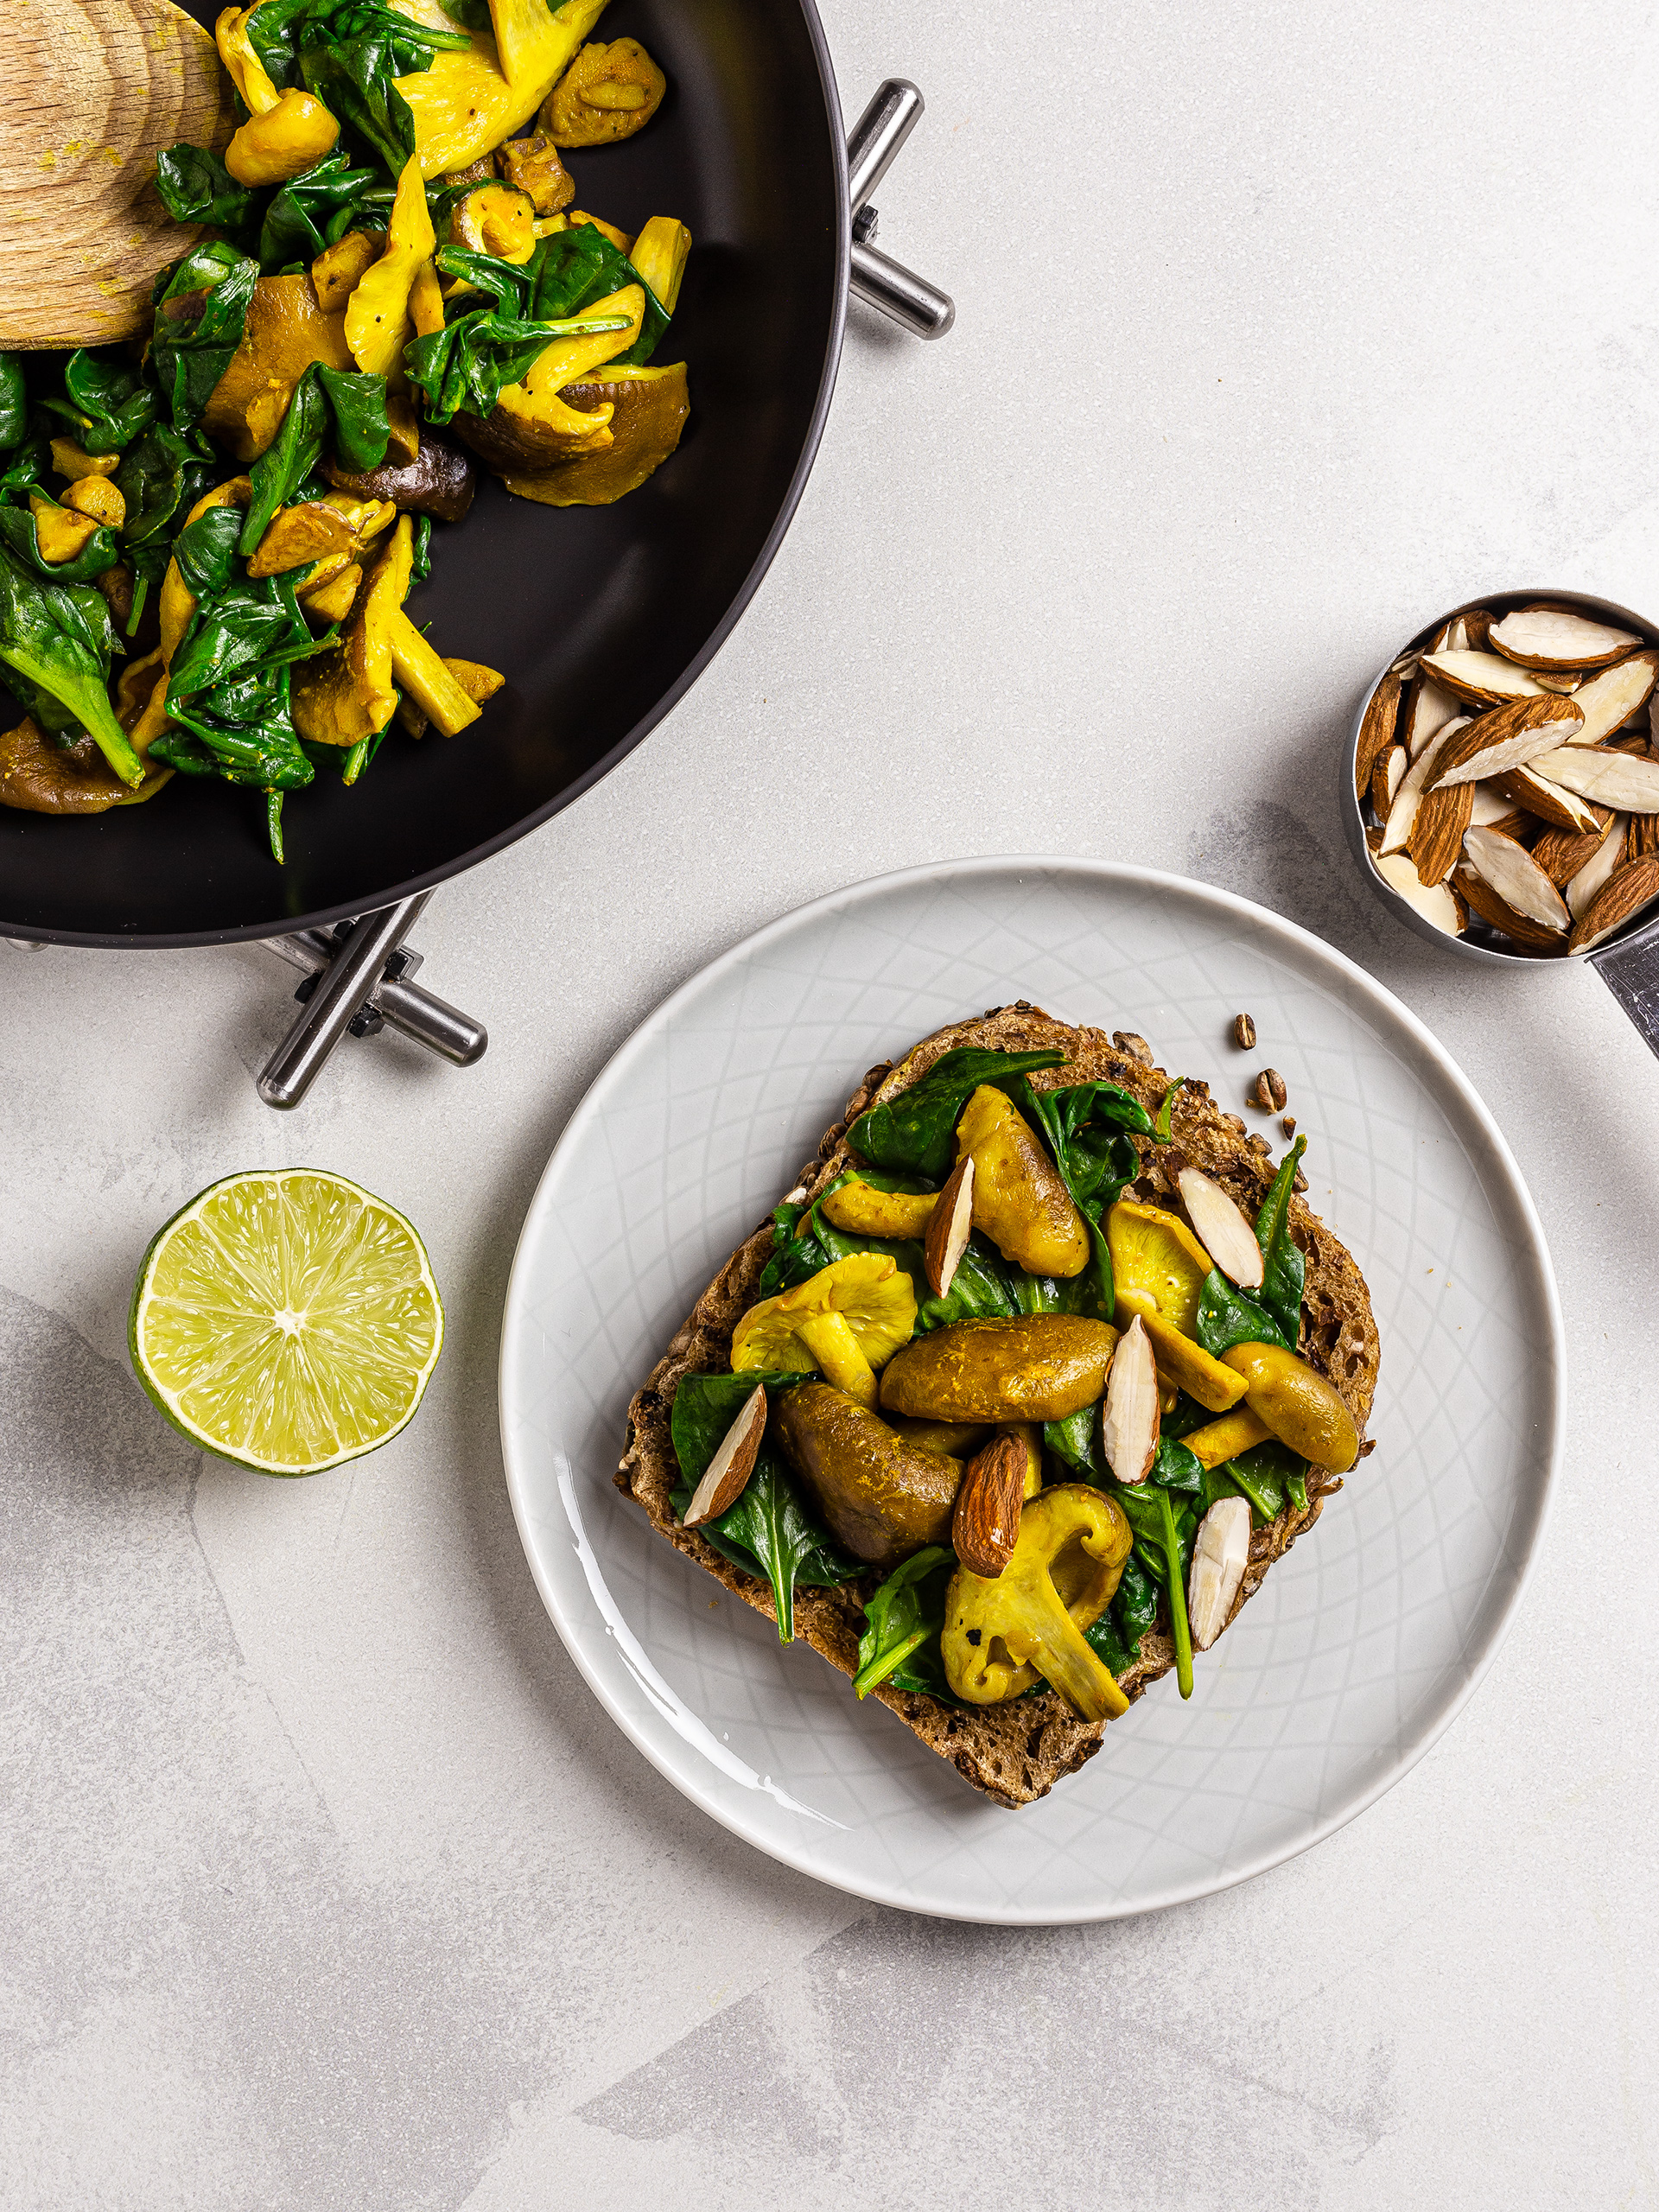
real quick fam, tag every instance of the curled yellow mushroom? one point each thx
(846, 1322)
(999, 1635)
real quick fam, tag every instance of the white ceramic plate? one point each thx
(1361, 1646)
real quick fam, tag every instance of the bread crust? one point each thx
(1014, 1753)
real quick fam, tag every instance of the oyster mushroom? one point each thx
(1301, 1408)
(846, 1322)
(1021, 1200)
(1001, 1635)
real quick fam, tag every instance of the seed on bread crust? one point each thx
(1243, 1032)
(1268, 1091)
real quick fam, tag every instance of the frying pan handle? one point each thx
(878, 280)
(1630, 968)
(360, 984)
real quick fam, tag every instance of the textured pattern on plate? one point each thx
(1361, 1645)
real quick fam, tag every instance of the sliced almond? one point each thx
(1508, 737)
(1222, 1228)
(1427, 713)
(1457, 638)
(949, 1227)
(1437, 828)
(1608, 701)
(1483, 901)
(1485, 679)
(1220, 1555)
(728, 1472)
(1412, 783)
(1434, 903)
(1555, 638)
(1586, 885)
(1491, 807)
(1642, 836)
(1536, 795)
(1129, 1420)
(1629, 781)
(1562, 682)
(1375, 731)
(1391, 765)
(1511, 871)
(985, 1526)
(1476, 625)
(1626, 892)
(1562, 853)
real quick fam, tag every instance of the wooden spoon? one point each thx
(92, 90)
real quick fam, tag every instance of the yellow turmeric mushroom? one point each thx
(846, 1322)
(862, 1211)
(1301, 1408)
(532, 166)
(378, 322)
(59, 533)
(332, 592)
(1001, 1635)
(467, 102)
(1019, 1201)
(1158, 1269)
(69, 461)
(286, 132)
(607, 93)
(97, 496)
(1157, 1259)
(659, 254)
(347, 693)
(177, 602)
(341, 268)
(494, 219)
(1218, 1441)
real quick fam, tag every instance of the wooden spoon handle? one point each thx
(92, 90)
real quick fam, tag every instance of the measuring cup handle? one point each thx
(1630, 968)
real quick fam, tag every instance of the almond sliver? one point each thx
(1515, 876)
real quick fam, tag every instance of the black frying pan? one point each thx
(600, 617)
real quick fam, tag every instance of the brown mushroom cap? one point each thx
(439, 480)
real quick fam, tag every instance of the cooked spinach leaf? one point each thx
(198, 321)
(21, 540)
(298, 217)
(903, 1614)
(1228, 1316)
(161, 477)
(14, 402)
(1270, 1474)
(578, 266)
(58, 640)
(1284, 1270)
(106, 403)
(362, 432)
(196, 188)
(1175, 1467)
(1164, 1543)
(916, 1132)
(289, 458)
(769, 1531)
(466, 365)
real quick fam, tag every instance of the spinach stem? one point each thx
(887, 1663)
(1177, 1597)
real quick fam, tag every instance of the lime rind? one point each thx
(287, 1320)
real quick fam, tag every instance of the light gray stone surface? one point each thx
(327, 1882)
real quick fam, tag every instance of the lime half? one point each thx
(287, 1320)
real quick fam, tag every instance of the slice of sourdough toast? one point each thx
(1015, 1753)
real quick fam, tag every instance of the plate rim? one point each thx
(1117, 873)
